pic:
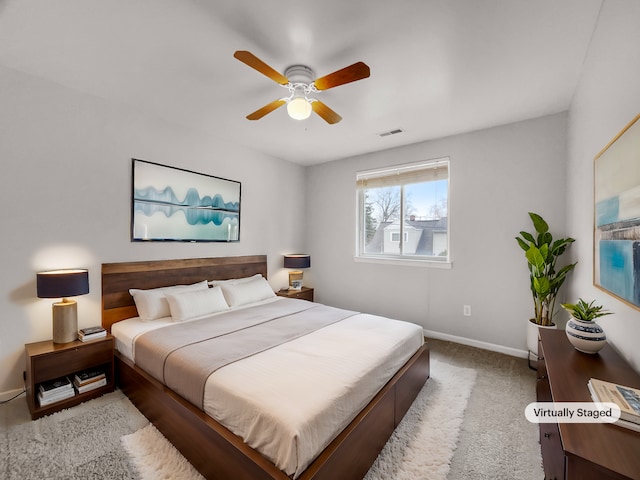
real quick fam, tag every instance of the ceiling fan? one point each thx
(298, 80)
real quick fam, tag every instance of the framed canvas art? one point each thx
(616, 265)
(172, 204)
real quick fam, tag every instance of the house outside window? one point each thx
(409, 201)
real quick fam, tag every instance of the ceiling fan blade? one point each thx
(349, 74)
(268, 108)
(254, 62)
(325, 112)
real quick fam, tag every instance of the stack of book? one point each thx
(627, 398)
(91, 333)
(54, 391)
(89, 380)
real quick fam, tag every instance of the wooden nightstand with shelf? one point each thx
(305, 294)
(48, 361)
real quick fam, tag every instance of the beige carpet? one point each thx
(420, 448)
(496, 441)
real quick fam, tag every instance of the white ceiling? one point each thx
(438, 67)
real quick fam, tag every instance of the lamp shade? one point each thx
(62, 283)
(297, 261)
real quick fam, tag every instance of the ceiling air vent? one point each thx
(391, 132)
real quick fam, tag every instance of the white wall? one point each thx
(497, 176)
(65, 192)
(607, 98)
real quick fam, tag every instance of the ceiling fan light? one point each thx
(299, 108)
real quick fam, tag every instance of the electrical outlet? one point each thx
(466, 310)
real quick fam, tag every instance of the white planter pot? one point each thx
(532, 338)
(587, 337)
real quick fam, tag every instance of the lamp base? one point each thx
(295, 280)
(65, 321)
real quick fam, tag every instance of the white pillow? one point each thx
(152, 304)
(250, 291)
(215, 283)
(185, 305)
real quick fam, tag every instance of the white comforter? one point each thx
(289, 402)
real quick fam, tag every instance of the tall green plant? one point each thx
(542, 253)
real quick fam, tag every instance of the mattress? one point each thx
(290, 401)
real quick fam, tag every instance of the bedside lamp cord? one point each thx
(13, 398)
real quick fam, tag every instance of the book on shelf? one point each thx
(55, 391)
(88, 376)
(44, 401)
(56, 395)
(87, 380)
(627, 398)
(90, 333)
(53, 387)
(87, 387)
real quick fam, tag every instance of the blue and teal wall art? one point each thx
(173, 204)
(616, 263)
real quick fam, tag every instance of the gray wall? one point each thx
(497, 176)
(607, 98)
(65, 196)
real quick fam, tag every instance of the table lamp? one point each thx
(63, 284)
(296, 261)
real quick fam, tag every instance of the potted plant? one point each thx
(582, 330)
(542, 253)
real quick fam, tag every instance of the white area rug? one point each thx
(83, 442)
(421, 448)
(155, 458)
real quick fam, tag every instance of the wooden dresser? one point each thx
(583, 451)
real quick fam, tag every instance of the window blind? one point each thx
(427, 171)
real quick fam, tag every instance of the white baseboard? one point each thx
(514, 352)
(4, 396)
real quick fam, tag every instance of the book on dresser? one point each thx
(627, 398)
(54, 391)
(91, 333)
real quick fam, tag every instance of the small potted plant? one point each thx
(582, 330)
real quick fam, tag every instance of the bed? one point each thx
(214, 449)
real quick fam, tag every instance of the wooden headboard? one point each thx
(118, 278)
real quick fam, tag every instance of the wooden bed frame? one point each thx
(210, 447)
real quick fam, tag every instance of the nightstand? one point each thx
(48, 361)
(305, 294)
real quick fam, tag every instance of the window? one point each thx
(408, 202)
(395, 236)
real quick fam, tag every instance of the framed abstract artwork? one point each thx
(172, 204)
(616, 243)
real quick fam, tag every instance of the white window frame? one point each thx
(404, 174)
